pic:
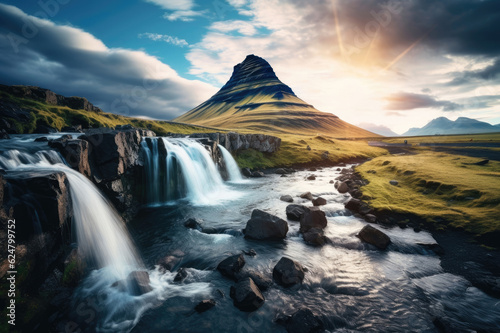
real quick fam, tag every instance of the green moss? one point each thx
(438, 188)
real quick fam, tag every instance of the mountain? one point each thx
(462, 125)
(378, 129)
(255, 99)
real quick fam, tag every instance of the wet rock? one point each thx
(42, 139)
(313, 169)
(75, 152)
(306, 195)
(42, 129)
(311, 177)
(286, 198)
(138, 283)
(342, 187)
(374, 236)
(250, 253)
(434, 247)
(246, 172)
(264, 226)
(262, 281)
(304, 321)
(231, 266)
(288, 272)
(315, 236)
(370, 218)
(246, 295)
(4, 134)
(331, 182)
(205, 305)
(313, 218)
(181, 275)
(358, 206)
(281, 171)
(258, 174)
(294, 212)
(193, 223)
(169, 262)
(394, 182)
(319, 201)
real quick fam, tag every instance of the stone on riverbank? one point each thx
(374, 236)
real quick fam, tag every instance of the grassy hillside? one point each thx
(294, 151)
(447, 190)
(459, 138)
(59, 117)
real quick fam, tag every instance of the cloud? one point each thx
(178, 10)
(243, 27)
(489, 73)
(73, 62)
(164, 38)
(410, 101)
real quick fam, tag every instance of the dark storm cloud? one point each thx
(74, 63)
(459, 27)
(409, 101)
(488, 73)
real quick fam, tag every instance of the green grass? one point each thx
(59, 117)
(294, 151)
(437, 186)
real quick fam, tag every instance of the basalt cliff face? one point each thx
(255, 99)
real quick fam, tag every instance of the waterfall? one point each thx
(231, 166)
(186, 171)
(101, 237)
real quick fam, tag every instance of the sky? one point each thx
(381, 64)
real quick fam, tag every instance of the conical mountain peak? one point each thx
(254, 70)
(255, 99)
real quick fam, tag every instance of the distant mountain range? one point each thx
(254, 99)
(462, 125)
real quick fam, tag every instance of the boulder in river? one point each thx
(262, 281)
(319, 201)
(181, 275)
(286, 198)
(246, 172)
(258, 174)
(374, 236)
(138, 283)
(246, 295)
(294, 212)
(311, 177)
(315, 236)
(205, 305)
(342, 187)
(303, 321)
(231, 266)
(313, 217)
(193, 223)
(264, 226)
(288, 272)
(358, 206)
(306, 195)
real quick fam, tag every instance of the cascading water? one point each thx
(100, 235)
(231, 166)
(186, 171)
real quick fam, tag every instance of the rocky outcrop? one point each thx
(233, 141)
(264, 226)
(246, 295)
(49, 97)
(41, 206)
(288, 272)
(76, 154)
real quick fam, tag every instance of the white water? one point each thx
(100, 234)
(231, 166)
(188, 172)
